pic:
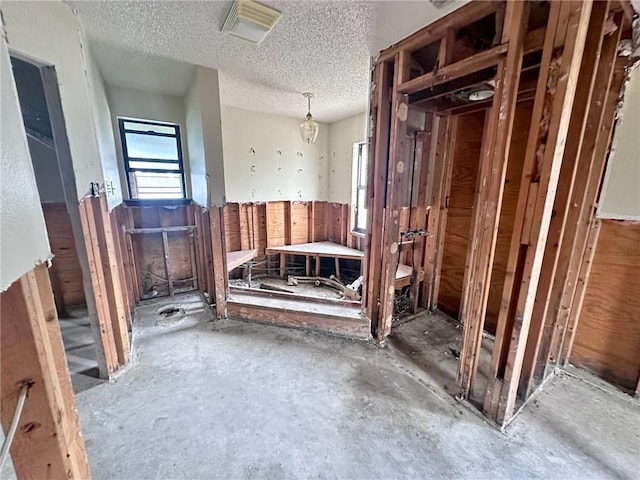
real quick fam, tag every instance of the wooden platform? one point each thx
(316, 250)
(319, 315)
(235, 259)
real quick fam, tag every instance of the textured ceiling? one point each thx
(318, 46)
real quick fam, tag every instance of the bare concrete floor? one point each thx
(230, 399)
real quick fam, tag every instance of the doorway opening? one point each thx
(39, 99)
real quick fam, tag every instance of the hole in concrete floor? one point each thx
(170, 310)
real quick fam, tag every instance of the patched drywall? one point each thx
(265, 158)
(50, 33)
(204, 137)
(45, 166)
(342, 135)
(128, 102)
(620, 197)
(23, 234)
(104, 133)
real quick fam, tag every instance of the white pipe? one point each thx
(4, 454)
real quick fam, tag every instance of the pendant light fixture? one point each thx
(309, 128)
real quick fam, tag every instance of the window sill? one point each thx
(356, 233)
(156, 201)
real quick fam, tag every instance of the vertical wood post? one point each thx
(103, 332)
(558, 100)
(48, 442)
(218, 250)
(397, 180)
(489, 191)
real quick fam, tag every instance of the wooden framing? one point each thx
(489, 190)
(594, 83)
(554, 230)
(48, 442)
(106, 347)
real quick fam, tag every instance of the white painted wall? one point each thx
(50, 33)
(45, 166)
(23, 235)
(204, 138)
(129, 102)
(342, 135)
(265, 158)
(620, 198)
(104, 133)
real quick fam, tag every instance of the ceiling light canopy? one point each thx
(250, 20)
(309, 128)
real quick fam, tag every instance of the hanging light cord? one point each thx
(4, 453)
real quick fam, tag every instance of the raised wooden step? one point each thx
(323, 316)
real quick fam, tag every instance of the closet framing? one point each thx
(561, 57)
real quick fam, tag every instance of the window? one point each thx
(152, 159)
(359, 191)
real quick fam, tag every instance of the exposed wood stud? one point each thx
(31, 352)
(489, 191)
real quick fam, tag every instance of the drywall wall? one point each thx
(195, 142)
(204, 137)
(45, 166)
(342, 135)
(620, 197)
(23, 234)
(104, 133)
(265, 158)
(129, 102)
(51, 34)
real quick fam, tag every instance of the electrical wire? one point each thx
(4, 453)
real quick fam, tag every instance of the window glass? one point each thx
(152, 159)
(359, 219)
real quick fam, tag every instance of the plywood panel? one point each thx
(607, 339)
(65, 271)
(277, 224)
(519, 137)
(299, 222)
(232, 228)
(463, 183)
(320, 221)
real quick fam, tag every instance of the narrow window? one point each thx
(152, 159)
(360, 158)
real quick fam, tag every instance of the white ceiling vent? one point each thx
(250, 20)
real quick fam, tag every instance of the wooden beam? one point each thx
(376, 186)
(597, 148)
(488, 203)
(221, 278)
(111, 267)
(397, 179)
(48, 441)
(558, 101)
(592, 87)
(462, 17)
(103, 337)
(479, 61)
(167, 262)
